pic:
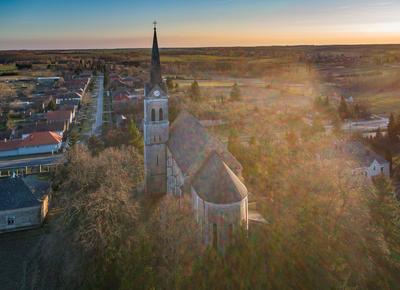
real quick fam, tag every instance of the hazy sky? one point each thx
(42, 24)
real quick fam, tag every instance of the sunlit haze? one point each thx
(45, 24)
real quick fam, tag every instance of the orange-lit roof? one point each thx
(34, 139)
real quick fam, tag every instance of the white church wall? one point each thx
(226, 217)
(174, 176)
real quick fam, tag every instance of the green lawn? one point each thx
(7, 69)
(383, 103)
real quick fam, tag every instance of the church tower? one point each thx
(155, 126)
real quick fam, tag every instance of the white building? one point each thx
(35, 143)
(369, 163)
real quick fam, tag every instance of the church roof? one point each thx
(215, 182)
(155, 73)
(155, 69)
(191, 145)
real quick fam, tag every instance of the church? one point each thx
(182, 158)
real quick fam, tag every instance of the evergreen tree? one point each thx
(392, 128)
(343, 110)
(10, 123)
(170, 84)
(135, 137)
(385, 212)
(234, 142)
(194, 91)
(389, 157)
(318, 102)
(357, 111)
(326, 101)
(95, 145)
(397, 126)
(106, 77)
(235, 93)
(378, 135)
(51, 106)
(73, 138)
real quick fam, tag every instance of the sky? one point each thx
(55, 24)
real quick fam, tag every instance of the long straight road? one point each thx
(98, 123)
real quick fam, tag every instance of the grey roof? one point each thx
(191, 145)
(39, 187)
(215, 182)
(15, 194)
(362, 154)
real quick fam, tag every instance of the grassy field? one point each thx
(368, 73)
(383, 103)
(206, 83)
(196, 58)
(7, 70)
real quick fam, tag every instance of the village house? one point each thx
(133, 82)
(60, 116)
(127, 83)
(369, 163)
(121, 98)
(20, 206)
(59, 127)
(78, 85)
(47, 81)
(70, 96)
(34, 143)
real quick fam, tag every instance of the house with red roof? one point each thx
(35, 143)
(121, 98)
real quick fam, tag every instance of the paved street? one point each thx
(96, 129)
(30, 161)
(365, 126)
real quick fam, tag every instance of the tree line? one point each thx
(195, 94)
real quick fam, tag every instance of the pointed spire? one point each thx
(155, 73)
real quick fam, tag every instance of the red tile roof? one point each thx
(34, 139)
(41, 138)
(9, 145)
(121, 98)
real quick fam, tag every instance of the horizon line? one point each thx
(196, 47)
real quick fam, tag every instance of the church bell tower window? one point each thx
(153, 115)
(215, 235)
(160, 115)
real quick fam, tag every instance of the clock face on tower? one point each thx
(156, 93)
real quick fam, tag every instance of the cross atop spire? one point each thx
(155, 72)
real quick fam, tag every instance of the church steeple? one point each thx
(155, 71)
(155, 126)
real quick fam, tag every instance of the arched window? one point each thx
(160, 115)
(215, 235)
(230, 232)
(153, 115)
(157, 160)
